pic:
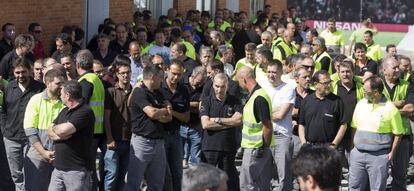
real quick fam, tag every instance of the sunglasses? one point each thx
(37, 32)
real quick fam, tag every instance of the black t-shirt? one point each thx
(189, 64)
(195, 96)
(350, 98)
(322, 118)
(107, 60)
(261, 107)
(371, 66)
(75, 153)
(180, 101)
(119, 49)
(142, 125)
(220, 140)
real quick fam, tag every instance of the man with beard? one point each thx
(41, 110)
(322, 111)
(16, 96)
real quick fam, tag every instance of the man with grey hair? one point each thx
(400, 92)
(191, 132)
(23, 46)
(306, 49)
(320, 56)
(221, 114)
(206, 55)
(16, 96)
(93, 93)
(226, 57)
(204, 177)
(266, 38)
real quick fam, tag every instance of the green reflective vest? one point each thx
(318, 58)
(96, 102)
(282, 51)
(191, 53)
(400, 93)
(358, 84)
(252, 133)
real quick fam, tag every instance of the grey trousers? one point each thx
(399, 165)
(73, 180)
(147, 158)
(369, 167)
(256, 173)
(37, 174)
(282, 156)
(15, 151)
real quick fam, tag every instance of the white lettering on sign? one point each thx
(339, 25)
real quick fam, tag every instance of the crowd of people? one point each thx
(158, 97)
(388, 11)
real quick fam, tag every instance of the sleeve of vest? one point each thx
(87, 90)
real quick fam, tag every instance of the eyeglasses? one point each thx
(314, 44)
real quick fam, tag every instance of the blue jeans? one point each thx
(116, 166)
(191, 136)
(174, 153)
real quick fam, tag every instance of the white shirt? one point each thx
(162, 51)
(280, 95)
(136, 71)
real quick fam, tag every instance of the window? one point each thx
(207, 5)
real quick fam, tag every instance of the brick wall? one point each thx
(121, 10)
(183, 6)
(51, 16)
(221, 3)
(277, 5)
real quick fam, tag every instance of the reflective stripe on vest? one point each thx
(96, 102)
(252, 133)
(400, 93)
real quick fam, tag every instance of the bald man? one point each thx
(257, 134)
(136, 64)
(286, 47)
